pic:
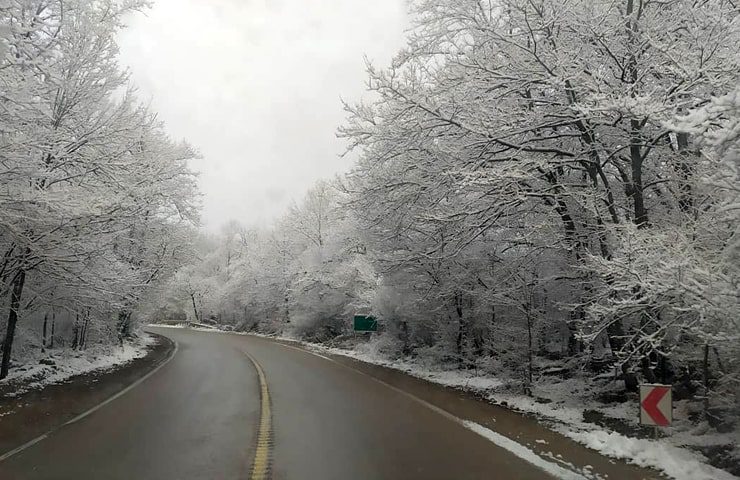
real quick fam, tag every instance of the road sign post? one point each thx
(656, 405)
(365, 323)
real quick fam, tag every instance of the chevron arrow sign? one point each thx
(656, 405)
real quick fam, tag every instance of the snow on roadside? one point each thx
(467, 380)
(61, 365)
(667, 454)
(523, 452)
(676, 462)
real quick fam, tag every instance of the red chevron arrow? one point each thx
(650, 405)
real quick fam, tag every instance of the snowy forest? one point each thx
(97, 204)
(538, 189)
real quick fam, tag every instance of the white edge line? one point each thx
(502, 441)
(97, 407)
(23, 447)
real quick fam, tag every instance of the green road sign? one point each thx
(365, 323)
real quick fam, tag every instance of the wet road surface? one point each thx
(198, 417)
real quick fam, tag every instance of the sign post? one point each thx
(656, 405)
(365, 323)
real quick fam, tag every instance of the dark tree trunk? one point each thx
(43, 332)
(195, 309)
(685, 170)
(53, 324)
(287, 305)
(638, 198)
(705, 374)
(15, 302)
(404, 327)
(461, 333)
(631, 383)
(492, 331)
(615, 332)
(528, 310)
(124, 325)
(83, 336)
(76, 332)
(577, 317)
(636, 140)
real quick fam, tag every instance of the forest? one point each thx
(544, 192)
(538, 189)
(97, 204)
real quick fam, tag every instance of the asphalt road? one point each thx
(198, 418)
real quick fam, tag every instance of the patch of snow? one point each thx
(464, 379)
(586, 470)
(67, 364)
(523, 452)
(679, 463)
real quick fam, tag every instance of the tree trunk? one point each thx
(528, 388)
(124, 325)
(53, 324)
(636, 158)
(685, 171)
(83, 326)
(76, 332)
(404, 334)
(638, 198)
(195, 308)
(615, 333)
(15, 302)
(83, 336)
(460, 330)
(491, 337)
(705, 374)
(287, 305)
(43, 332)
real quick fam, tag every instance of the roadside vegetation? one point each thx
(545, 192)
(97, 204)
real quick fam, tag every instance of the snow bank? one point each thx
(678, 463)
(464, 379)
(61, 365)
(566, 408)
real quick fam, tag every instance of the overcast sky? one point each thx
(255, 85)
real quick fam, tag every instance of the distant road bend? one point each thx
(241, 407)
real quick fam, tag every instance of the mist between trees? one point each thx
(543, 187)
(96, 203)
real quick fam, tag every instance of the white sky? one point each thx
(255, 85)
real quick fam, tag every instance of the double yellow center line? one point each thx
(263, 453)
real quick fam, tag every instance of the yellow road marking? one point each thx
(263, 454)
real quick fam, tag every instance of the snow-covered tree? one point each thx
(93, 192)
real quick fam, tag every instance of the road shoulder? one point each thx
(38, 411)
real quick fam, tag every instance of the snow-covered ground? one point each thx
(56, 366)
(563, 411)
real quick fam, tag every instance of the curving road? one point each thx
(199, 417)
